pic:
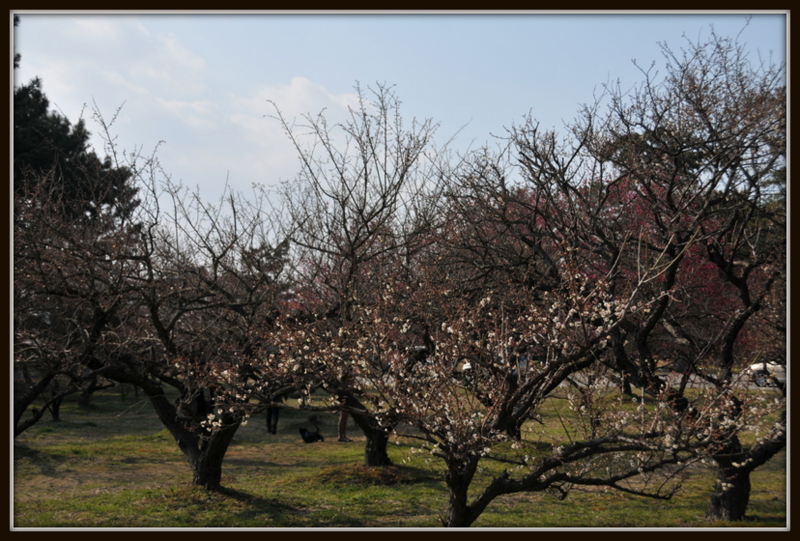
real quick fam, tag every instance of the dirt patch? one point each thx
(360, 475)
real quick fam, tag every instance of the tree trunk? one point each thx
(56, 397)
(732, 487)
(204, 450)
(206, 458)
(84, 400)
(23, 398)
(457, 509)
(86, 394)
(731, 494)
(458, 478)
(207, 470)
(375, 454)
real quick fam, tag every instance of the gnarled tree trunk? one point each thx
(375, 454)
(458, 479)
(204, 449)
(731, 493)
(732, 486)
(206, 459)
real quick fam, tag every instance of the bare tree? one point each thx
(172, 298)
(208, 280)
(366, 194)
(68, 291)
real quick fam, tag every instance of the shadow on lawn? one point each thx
(273, 513)
(275, 509)
(46, 462)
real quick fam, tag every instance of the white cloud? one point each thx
(94, 29)
(116, 79)
(180, 55)
(194, 113)
(300, 97)
(165, 61)
(170, 67)
(177, 107)
(272, 155)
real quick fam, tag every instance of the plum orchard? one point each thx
(458, 296)
(555, 260)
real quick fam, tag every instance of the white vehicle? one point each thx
(762, 374)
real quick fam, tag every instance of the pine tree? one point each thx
(47, 146)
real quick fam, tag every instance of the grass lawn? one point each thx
(113, 465)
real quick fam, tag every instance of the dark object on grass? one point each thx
(310, 437)
(307, 435)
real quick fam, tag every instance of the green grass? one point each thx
(113, 465)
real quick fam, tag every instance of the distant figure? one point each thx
(342, 426)
(272, 419)
(468, 373)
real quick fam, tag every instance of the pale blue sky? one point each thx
(201, 82)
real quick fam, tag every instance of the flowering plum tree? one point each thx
(679, 173)
(407, 353)
(590, 254)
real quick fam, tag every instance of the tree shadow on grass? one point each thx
(278, 512)
(46, 462)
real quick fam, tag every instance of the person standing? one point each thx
(273, 413)
(342, 427)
